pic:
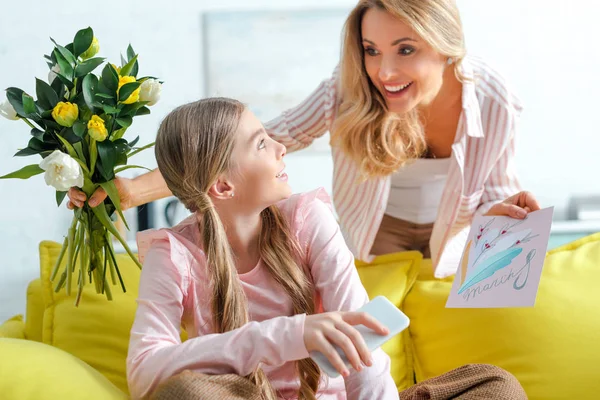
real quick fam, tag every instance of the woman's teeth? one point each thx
(396, 88)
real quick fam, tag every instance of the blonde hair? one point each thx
(378, 140)
(193, 149)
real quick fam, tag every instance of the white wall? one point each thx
(547, 51)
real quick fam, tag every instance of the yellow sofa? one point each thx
(59, 351)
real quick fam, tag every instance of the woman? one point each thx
(422, 135)
(258, 278)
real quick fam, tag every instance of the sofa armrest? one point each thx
(13, 328)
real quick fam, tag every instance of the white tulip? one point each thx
(150, 91)
(52, 74)
(62, 171)
(7, 111)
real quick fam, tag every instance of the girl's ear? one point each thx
(221, 189)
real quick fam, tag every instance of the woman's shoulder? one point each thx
(491, 84)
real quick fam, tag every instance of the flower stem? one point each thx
(71, 237)
(60, 258)
(28, 123)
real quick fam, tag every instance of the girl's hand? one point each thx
(324, 331)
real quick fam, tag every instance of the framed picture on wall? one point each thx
(271, 60)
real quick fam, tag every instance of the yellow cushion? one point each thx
(35, 311)
(97, 331)
(552, 348)
(31, 370)
(392, 276)
(13, 328)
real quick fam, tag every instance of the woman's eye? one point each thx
(405, 51)
(261, 144)
(371, 51)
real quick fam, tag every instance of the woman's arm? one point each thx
(156, 352)
(134, 192)
(336, 279)
(298, 127)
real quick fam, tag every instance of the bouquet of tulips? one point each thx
(78, 122)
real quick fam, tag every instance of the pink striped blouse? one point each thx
(482, 171)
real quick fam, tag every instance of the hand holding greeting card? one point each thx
(502, 262)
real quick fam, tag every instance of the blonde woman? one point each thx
(259, 279)
(422, 135)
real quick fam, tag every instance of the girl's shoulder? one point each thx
(298, 208)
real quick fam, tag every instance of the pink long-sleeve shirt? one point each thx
(482, 169)
(174, 291)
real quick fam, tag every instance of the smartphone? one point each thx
(385, 312)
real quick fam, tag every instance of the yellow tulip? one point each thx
(135, 96)
(97, 129)
(92, 50)
(65, 113)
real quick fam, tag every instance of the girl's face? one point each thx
(258, 179)
(401, 65)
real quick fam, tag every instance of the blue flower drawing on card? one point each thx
(491, 250)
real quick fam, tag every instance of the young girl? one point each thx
(258, 278)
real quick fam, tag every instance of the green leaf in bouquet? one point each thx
(125, 122)
(80, 152)
(93, 154)
(110, 78)
(89, 87)
(28, 104)
(105, 96)
(127, 89)
(123, 61)
(127, 68)
(70, 48)
(35, 132)
(60, 196)
(24, 173)
(107, 156)
(126, 167)
(87, 66)
(66, 81)
(68, 146)
(65, 53)
(66, 68)
(47, 97)
(135, 68)
(130, 52)
(49, 138)
(70, 136)
(122, 147)
(79, 128)
(110, 109)
(52, 124)
(47, 57)
(130, 109)
(59, 88)
(134, 142)
(26, 152)
(118, 134)
(142, 111)
(15, 98)
(111, 190)
(139, 149)
(82, 41)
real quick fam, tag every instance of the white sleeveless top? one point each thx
(417, 190)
